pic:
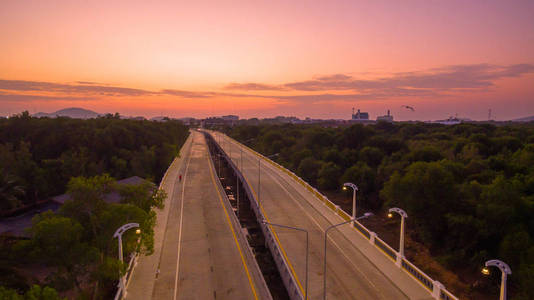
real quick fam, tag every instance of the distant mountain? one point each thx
(73, 112)
(525, 119)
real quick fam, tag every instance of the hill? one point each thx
(73, 112)
(525, 119)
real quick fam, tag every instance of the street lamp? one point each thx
(403, 215)
(307, 250)
(354, 190)
(118, 235)
(505, 270)
(366, 215)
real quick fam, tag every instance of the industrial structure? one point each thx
(360, 116)
(386, 118)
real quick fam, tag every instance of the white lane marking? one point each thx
(181, 221)
(269, 167)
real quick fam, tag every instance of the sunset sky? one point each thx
(268, 58)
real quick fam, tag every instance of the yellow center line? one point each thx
(276, 237)
(278, 241)
(233, 232)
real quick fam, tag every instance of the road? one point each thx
(351, 274)
(202, 253)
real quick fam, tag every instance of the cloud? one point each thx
(186, 94)
(26, 98)
(89, 83)
(254, 87)
(205, 94)
(31, 86)
(435, 82)
(478, 76)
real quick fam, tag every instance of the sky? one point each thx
(250, 58)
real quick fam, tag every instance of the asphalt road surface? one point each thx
(203, 254)
(350, 273)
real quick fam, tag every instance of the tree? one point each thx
(9, 294)
(10, 191)
(87, 200)
(308, 169)
(144, 196)
(371, 155)
(38, 293)
(422, 192)
(58, 242)
(328, 176)
(364, 178)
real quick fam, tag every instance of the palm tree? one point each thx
(10, 191)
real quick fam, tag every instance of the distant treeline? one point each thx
(468, 188)
(40, 155)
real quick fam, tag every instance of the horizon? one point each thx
(266, 59)
(371, 118)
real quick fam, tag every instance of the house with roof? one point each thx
(15, 226)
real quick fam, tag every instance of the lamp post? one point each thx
(366, 215)
(505, 270)
(307, 250)
(403, 215)
(118, 234)
(354, 190)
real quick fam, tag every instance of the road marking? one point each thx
(313, 219)
(276, 237)
(272, 167)
(181, 222)
(322, 230)
(250, 281)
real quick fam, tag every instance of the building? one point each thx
(360, 116)
(449, 121)
(16, 226)
(230, 118)
(386, 118)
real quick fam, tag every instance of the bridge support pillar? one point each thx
(372, 237)
(398, 262)
(437, 289)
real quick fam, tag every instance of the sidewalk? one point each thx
(144, 275)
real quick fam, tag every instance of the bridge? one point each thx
(228, 199)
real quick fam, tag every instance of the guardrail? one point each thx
(121, 291)
(436, 289)
(289, 280)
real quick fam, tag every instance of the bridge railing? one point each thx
(121, 290)
(282, 265)
(436, 289)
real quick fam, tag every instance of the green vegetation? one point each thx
(469, 188)
(35, 293)
(41, 155)
(74, 248)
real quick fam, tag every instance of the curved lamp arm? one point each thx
(401, 212)
(350, 184)
(499, 264)
(123, 228)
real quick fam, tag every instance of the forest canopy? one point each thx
(74, 247)
(38, 156)
(468, 188)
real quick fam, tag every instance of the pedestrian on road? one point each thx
(180, 177)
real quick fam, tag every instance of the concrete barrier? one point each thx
(436, 289)
(288, 278)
